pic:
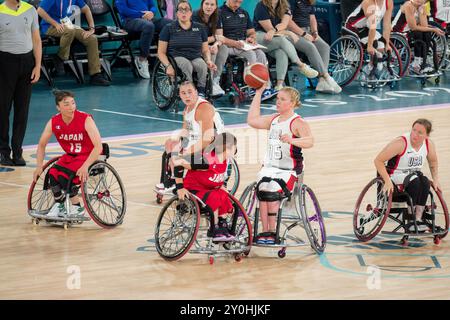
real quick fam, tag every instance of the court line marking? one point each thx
(245, 125)
(128, 202)
(136, 115)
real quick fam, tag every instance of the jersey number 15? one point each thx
(76, 148)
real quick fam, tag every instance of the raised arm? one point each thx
(254, 118)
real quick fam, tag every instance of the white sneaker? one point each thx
(307, 71)
(58, 210)
(217, 90)
(76, 210)
(278, 87)
(142, 67)
(323, 86)
(159, 188)
(334, 85)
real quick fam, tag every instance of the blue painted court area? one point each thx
(126, 107)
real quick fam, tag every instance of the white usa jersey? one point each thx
(407, 162)
(194, 128)
(283, 155)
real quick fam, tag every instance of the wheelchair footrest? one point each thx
(68, 218)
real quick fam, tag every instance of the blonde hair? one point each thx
(294, 94)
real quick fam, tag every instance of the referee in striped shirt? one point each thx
(20, 65)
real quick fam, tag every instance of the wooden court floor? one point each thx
(40, 262)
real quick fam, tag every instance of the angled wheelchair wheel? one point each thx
(164, 88)
(248, 200)
(395, 63)
(177, 227)
(104, 195)
(312, 219)
(346, 59)
(399, 42)
(436, 211)
(441, 47)
(40, 196)
(233, 177)
(240, 226)
(371, 210)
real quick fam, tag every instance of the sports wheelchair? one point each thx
(350, 61)
(185, 223)
(299, 210)
(376, 209)
(165, 89)
(103, 195)
(231, 182)
(435, 56)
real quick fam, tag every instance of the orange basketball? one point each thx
(256, 75)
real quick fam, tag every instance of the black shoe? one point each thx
(19, 161)
(6, 160)
(59, 66)
(98, 80)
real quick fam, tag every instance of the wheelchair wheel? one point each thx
(240, 227)
(233, 177)
(346, 56)
(177, 227)
(436, 210)
(399, 42)
(312, 219)
(395, 63)
(248, 200)
(104, 195)
(164, 88)
(371, 210)
(40, 196)
(441, 47)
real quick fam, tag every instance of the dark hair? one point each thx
(184, 1)
(222, 141)
(60, 95)
(187, 82)
(212, 23)
(426, 123)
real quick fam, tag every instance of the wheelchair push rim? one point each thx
(40, 196)
(346, 56)
(164, 89)
(401, 44)
(104, 195)
(178, 220)
(377, 208)
(439, 208)
(312, 219)
(233, 176)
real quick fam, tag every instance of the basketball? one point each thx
(256, 75)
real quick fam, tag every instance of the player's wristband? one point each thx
(179, 186)
(178, 172)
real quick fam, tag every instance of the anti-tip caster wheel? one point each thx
(437, 80)
(437, 240)
(404, 241)
(211, 260)
(238, 257)
(159, 199)
(35, 221)
(282, 253)
(66, 226)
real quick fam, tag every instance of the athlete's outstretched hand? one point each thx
(83, 173)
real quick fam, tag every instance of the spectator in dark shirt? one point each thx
(186, 42)
(271, 19)
(304, 25)
(208, 16)
(237, 28)
(138, 16)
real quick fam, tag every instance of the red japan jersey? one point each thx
(73, 137)
(211, 178)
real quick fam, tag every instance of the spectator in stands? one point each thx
(56, 23)
(169, 8)
(347, 7)
(186, 42)
(138, 16)
(237, 28)
(271, 19)
(208, 15)
(304, 24)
